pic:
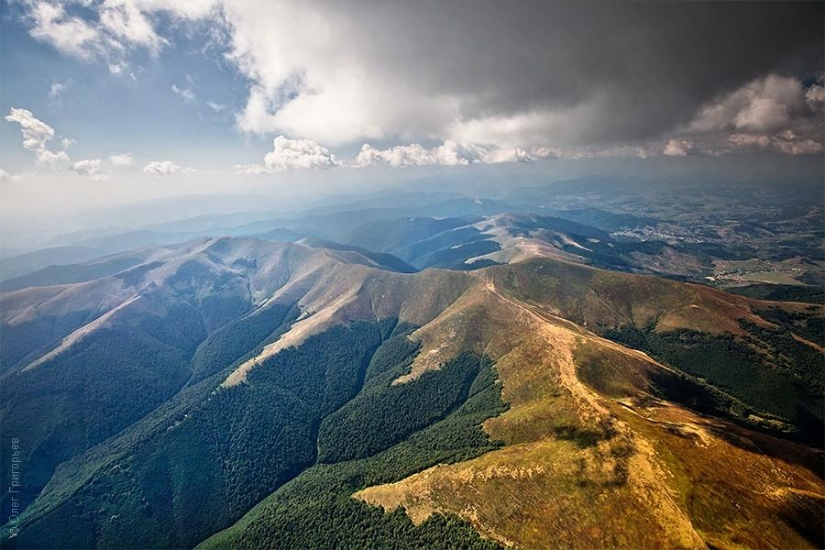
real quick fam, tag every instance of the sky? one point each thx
(108, 101)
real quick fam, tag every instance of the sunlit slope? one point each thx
(617, 466)
(765, 357)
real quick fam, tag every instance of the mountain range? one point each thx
(427, 382)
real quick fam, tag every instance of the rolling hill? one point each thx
(237, 392)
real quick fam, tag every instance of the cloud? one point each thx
(771, 113)
(166, 168)
(95, 167)
(118, 26)
(56, 92)
(4, 176)
(123, 20)
(582, 78)
(186, 94)
(181, 9)
(450, 153)
(250, 169)
(298, 154)
(56, 89)
(70, 35)
(120, 159)
(512, 154)
(784, 142)
(765, 104)
(217, 107)
(815, 97)
(292, 154)
(398, 156)
(557, 74)
(45, 156)
(36, 134)
(89, 167)
(118, 67)
(677, 148)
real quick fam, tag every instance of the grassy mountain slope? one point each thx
(592, 447)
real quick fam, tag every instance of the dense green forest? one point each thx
(767, 370)
(804, 323)
(218, 458)
(202, 460)
(104, 383)
(25, 339)
(233, 342)
(790, 293)
(386, 414)
(316, 509)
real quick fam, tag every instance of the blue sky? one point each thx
(114, 100)
(108, 113)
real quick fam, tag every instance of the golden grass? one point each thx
(587, 470)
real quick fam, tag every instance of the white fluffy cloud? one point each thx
(120, 25)
(292, 154)
(513, 154)
(166, 168)
(70, 35)
(89, 167)
(298, 154)
(45, 156)
(36, 135)
(99, 170)
(785, 142)
(450, 153)
(399, 156)
(120, 159)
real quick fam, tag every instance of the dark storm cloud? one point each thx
(655, 63)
